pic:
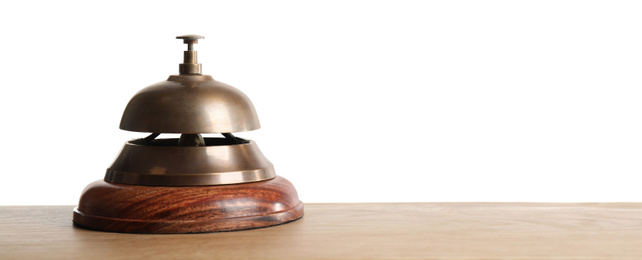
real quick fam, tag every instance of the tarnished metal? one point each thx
(190, 104)
(191, 140)
(190, 65)
(163, 163)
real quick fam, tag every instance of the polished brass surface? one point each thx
(162, 162)
(190, 104)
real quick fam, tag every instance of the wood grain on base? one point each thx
(153, 209)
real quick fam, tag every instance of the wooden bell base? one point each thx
(153, 209)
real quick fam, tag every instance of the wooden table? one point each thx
(354, 231)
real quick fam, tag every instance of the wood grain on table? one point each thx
(354, 231)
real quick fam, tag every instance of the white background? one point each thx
(359, 101)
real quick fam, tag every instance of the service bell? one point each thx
(188, 184)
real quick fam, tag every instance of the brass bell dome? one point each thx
(190, 103)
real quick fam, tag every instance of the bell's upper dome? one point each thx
(190, 104)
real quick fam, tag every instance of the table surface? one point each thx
(354, 231)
